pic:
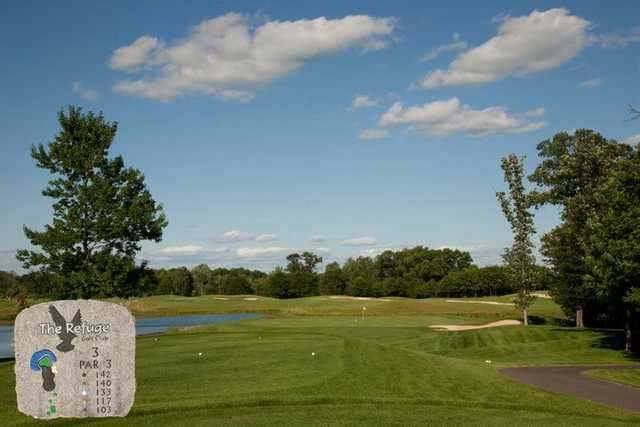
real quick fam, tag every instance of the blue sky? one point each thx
(340, 127)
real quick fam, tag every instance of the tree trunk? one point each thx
(627, 330)
(525, 316)
(580, 317)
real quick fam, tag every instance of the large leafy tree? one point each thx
(305, 262)
(102, 210)
(519, 258)
(332, 281)
(202, 278)
(572, 171)
(569, 288)
(614, 246)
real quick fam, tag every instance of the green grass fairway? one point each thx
(389, 368)
(630, 377)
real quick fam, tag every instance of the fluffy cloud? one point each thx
(143, 51)
(374, 252)
(243, 236)
(524, 45)
(84, 92)
(370, 134)
(481, 254)
(450, 116)
(538, 112)
(620, 39)
(266, 237)
(234, 236)
(359, 241)
(363, 101)
(591, 83)
(226, 58)
(456, 44)
(633, 139)
(182, 250)
(317, 238)
(264, 258)
(8, 261)
(269, 252)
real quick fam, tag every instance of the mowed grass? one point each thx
(388, 368)
(171, 305)
(628, 377)
(331, 306)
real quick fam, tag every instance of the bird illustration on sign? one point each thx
(66, 335)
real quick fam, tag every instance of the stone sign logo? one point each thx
(84, 351)
(65, 332)
(43, 361)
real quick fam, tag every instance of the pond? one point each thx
(144, 326)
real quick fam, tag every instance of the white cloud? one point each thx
(524, 45)
(359, 241)
(266, 237)
(591, 83)
(456, 44)
(317, 238)
(143, 51)
(189, 255)
(450, 116)
(8, 261)
(227, 58)
(234, 236)
(633, 139)
(373, 252)
(84, 92)
(538, 112)
(182, 250)
(363, 101)
(243, 236)
(267, 252)
(620, 39)
(482, 255)
(371, 134)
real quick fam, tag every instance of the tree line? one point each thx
(417, 272)
(594, 253)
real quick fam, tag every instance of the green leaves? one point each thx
(614, 232)
(575, 175)
(102, 210)
(519, 257)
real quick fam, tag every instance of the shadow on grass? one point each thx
(610, 339)
(538, 320)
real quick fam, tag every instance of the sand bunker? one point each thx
(472, 327)
(357, 298)
(220, 298)
(541, 295)
(250, 299)
(480, 302)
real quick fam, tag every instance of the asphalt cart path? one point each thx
(570, 380)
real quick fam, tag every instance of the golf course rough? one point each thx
(75, 359)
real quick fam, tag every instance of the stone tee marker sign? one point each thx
(75, 359)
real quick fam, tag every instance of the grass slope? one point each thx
(387, 369)
(630, 377)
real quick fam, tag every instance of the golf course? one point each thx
(323, 360)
